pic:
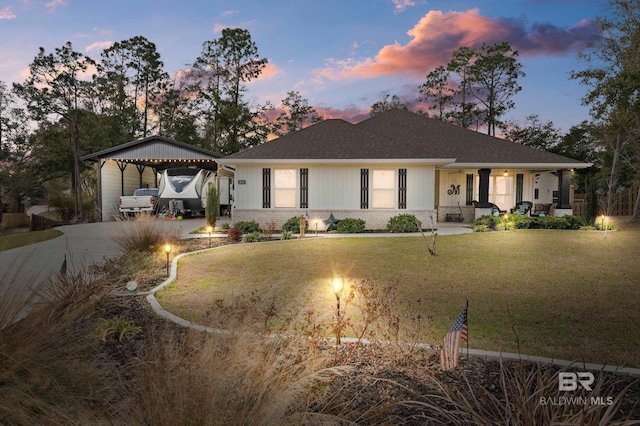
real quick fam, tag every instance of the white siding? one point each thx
(333, 189)
(111, 185)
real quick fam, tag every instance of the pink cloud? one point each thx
(438, 34)
(6, 13)
(99, 45)
(269, 71)
(401, 5)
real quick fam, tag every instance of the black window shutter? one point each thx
(266, 188)
(402, 188)
(469, 190)
(519, 187)
(364, 188)
(304, 188)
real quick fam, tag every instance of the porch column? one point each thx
(564, 184)
(483, 196)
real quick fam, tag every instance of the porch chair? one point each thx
(522, 207)
(495, 210)
(540, 210)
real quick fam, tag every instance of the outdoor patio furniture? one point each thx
(523, 207)
(495, 210)
(540, 210)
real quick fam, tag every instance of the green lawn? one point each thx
(570, 294)
(25, 238)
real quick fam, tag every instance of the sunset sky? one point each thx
(341, 55)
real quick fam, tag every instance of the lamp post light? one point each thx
(209, 231)
(338, 286)
(167, 250)
(604, 225)
(315, 221)
(506, 220)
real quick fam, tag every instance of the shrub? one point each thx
(116, 329)
(607, 226)
(480, 228)
(286, 235)
(212, 207)
(488, 221)
(351, 226)
(574, 222)
(293, 225)
(520, 221)
(403, 223)
(505, 225)
(63, 204)
(552, 222)
(252, 237)
(234, 234)
(248, 226)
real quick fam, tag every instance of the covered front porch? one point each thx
(463, 195)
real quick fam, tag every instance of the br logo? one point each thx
(568, 381)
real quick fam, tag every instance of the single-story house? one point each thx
(393, 163)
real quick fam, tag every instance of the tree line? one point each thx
(71, 105)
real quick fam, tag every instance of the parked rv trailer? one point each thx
(180, 191)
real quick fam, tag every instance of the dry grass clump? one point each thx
(145, 236)
(525, 394)
(49, 369)
(232, 380)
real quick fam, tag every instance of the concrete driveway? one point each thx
(26, 267)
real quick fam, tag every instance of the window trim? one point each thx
(281, 189)
(391, 191)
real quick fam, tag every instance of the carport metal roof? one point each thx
(159, 153)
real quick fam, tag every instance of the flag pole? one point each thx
(467, 309)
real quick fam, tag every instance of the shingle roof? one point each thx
(397, 135)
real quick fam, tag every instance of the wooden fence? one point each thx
(40, 223)
(14, 220)
(623, 202)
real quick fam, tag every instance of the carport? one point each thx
(122, 169)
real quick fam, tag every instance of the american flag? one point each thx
(452, 341)
(63, 268)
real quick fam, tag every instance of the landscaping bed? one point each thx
(558, 294)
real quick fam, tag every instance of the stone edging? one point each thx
(159, 310)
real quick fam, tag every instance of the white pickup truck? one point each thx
(142, 200)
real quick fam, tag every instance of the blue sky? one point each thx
(341, 55)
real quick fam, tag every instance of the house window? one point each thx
(402, 188)
(383, 189)
(364, 188)
(501, 191)
(304, 188)
(266, 188)
(285, 188)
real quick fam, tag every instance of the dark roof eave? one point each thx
(529, 166)
(431, 161)
(104, 153)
